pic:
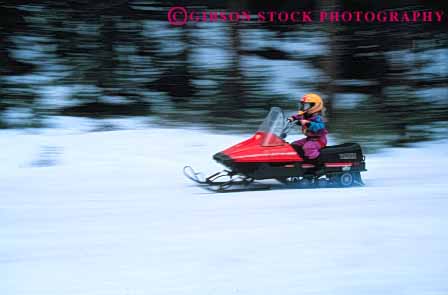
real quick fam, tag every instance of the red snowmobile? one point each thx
(266, 155)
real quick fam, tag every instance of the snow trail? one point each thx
(112, 213)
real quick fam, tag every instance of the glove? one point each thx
(291, 119)
(304, 122)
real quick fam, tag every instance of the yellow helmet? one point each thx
(310, 103)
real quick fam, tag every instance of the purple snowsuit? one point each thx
(316, 135)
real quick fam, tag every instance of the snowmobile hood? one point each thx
(252, 150)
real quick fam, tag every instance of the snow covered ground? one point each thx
(111, 213)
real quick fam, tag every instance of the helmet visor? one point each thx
(304, 106)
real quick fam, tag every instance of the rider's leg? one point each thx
(298, 147)
(311, 149)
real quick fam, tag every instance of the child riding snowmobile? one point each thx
(313, 126)
(266, 155)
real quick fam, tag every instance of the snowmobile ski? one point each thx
(223, 181)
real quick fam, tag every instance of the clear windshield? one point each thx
(272, 127)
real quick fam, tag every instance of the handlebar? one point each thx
(287, 128)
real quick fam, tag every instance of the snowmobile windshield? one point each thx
(272, 127)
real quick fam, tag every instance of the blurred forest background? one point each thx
(384, 84)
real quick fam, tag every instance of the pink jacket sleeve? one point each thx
(297, 117)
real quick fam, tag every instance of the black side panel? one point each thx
(277, 170)
(266, 170)
(347, 152)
